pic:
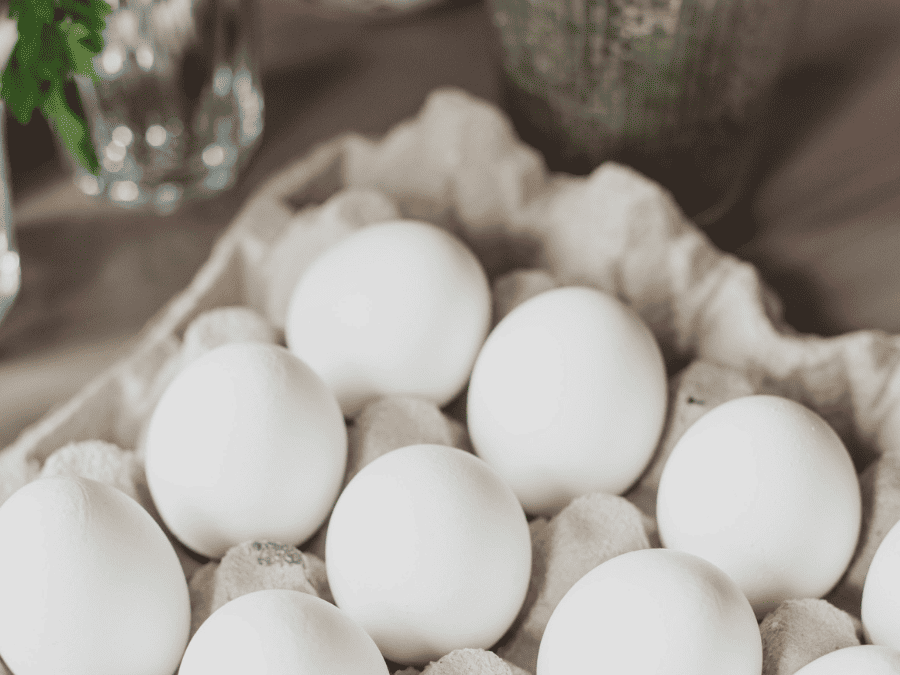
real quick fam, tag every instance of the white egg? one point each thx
(763, 487)
(246, 443)
(283, 632)
(89, 583)
(880, 610)
(400, 307)
(652, 612)
(567, 397)
(858, 660)
(429, 551)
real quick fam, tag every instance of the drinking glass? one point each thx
(10, 270)
(178, 108)
(675, 88)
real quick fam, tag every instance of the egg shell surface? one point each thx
(763, 487)
(281, 632)
(880, 611)
(246, 443)
(429, 551)
(652, 612)
(857, 660)
(397, 308)
(89, 583)
(567, 397)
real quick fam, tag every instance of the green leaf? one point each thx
(57, 40)
(30, 27)
(71, 128)
(89, 13)
(22, 93)
(80, 55)
(40, 11)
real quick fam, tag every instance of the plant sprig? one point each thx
(57, 40)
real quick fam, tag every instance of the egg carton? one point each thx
(459, 164)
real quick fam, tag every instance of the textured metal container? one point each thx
(676, 88)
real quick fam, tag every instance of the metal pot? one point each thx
(675, 88)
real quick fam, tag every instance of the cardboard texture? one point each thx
(459, 164)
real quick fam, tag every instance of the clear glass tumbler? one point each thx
(10, 270)
(675, 88)
(178, 108)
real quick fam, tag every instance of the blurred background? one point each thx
(820, 218)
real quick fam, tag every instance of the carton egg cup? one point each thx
(459, 164)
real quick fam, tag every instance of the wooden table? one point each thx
(823, 224)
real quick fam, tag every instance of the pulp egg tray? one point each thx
(459, 164)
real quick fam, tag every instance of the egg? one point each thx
(880, 611)
(429, 551)
(281, 631)
(652, 612)
(89, 583)
(567, 397)
(857, 660)
(400, 307)
(246, 443)
(763, 487)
